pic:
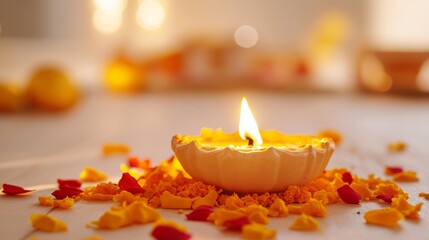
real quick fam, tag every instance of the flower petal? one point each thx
(236, 224)
(392, 170)
(69, 182)
(14, 190)
(348, 195)
(385, 197)
(130, 184)
(347, 177)
(63, 193)
(164, 232)
(201, 213)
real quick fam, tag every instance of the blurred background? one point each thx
(51, 52)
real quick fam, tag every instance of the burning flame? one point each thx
(248, 128)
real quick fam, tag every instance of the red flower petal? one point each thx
(63, 193)
(347, 177)
(70, 182)
(169, 233)
(394, 170)
(130, 184)
(67, 187)
(200, 213)
(385, 197)
(236, 224)
(14, 190)
(348, 195)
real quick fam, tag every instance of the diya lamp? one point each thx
(252, 160)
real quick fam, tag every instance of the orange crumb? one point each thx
(47, 223)
(90, 174)
(407, 176)
(386, 217)
(305, 223)
(425, 195)
(397, 146)
(257, 231)
(100, 192)
(115, 148)
(48, 201)
(278, 209)
(329, 133)
(408, 210)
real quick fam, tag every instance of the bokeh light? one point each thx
(246, 36)
(373, 74)
(150, 14)
(107, 17)
(423, 77)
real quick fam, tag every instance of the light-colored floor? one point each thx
(36, 149)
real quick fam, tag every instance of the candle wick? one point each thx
(250, 141)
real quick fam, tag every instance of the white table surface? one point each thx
(36, 149)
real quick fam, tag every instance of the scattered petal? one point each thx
(407, 176)
(397, 146)
(407, 209)
(69, 183)
(278, 209)
(385, 198)
(63, 193)
(136, 212)
(390, 189)
(47, 201)
(348, 195)
(170, 231)
(130, 184)
(305, 223)
(363, 189)
(9, 189)
(314, 208)
(115, 148)
(47, 223)
(200, 213)
(392, 170)
(221, 215)
(168, 200)
(386, 217)
(90, 174)
(257, 231)
(236, 224)
(137, 163)
(425, 195)
(209, 199)
(347, 177)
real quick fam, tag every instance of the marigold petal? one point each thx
(257, 231)
(90, 174)
(424, 194)
(69, 183)
(63, 193)
(407, 209)
(347, 177)
(168, 200)
(305, 223)
(278, 209)
(348, 195)
(169, 232)
(200, 213)
(47, 223)
(209, 199)
(386, 217)
(385, 198)
(407, 176)
(236, 224)
(397, 146)
(115, 148)
(130, 184)
(9, 189)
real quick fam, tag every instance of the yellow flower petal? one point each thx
(209, 199)
(47, 223)
(386, 217)
(168, 200)
(278, 209)
(90, 174)
(305, 223)
(257, 231)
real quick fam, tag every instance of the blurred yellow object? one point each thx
(122, 75)
(12, 98)
(51, 89)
